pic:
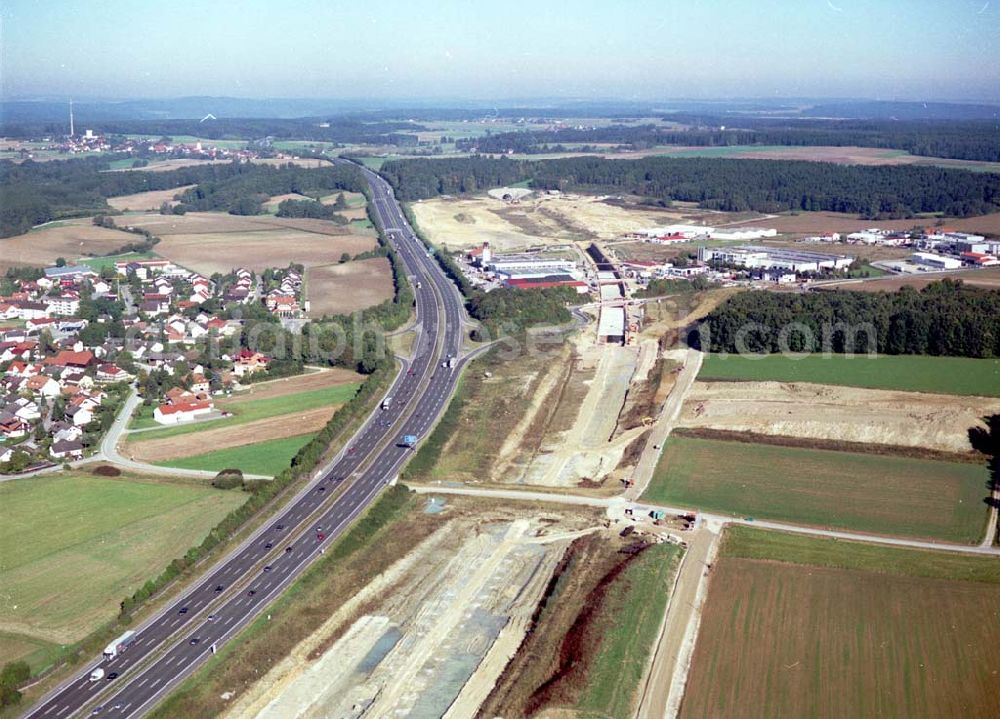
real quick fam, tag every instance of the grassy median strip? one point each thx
(629, 622)
(847, 490)
(913, 373)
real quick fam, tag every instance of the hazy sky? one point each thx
(646, 50)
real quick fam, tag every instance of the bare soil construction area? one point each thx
(845, 414)
(210, 440)
(68, 238)
(344, 288)
(209, 242)
(534, 220)
(430, 635)
(143, 201)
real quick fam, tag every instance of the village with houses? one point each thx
(74, 339)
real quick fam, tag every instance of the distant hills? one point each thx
(44, 110)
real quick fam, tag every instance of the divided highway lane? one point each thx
(173, 643)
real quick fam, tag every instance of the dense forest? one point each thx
(719, 184)
(945, 318)
(969, 140)
(35, 192)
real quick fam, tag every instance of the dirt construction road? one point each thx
(672, 657)
(665, 424)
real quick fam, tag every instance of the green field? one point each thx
(752, 543)
(269, 457)
(942, 375)
(811, 627)
(102, 537)
(247, 410)
(630, 621)
(861, 492)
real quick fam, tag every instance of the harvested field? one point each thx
(840, 155)
(142, 201)
(101, 536)
(348, 287)
(784, 639)
(310, 381)
(69, 239)
(173, 164)
(988, 278)
(208, 440)
(214, 242)
(844, 414)
(915, 373)
(272, 204)
(864, 492)
(815, 222)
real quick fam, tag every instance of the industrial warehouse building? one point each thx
(770, 258)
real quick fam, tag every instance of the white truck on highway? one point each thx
(97, 675)
(387, 403)
(119, 645)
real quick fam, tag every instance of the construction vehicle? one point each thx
(647, 421)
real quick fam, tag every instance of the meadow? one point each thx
(103, 537)
(861, 492)
(266, 458)
(915, 373)
(803, 626)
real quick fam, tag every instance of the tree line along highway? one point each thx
(172, 644)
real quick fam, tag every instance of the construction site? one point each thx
(435, 633)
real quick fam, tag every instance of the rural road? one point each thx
(672, 655)
(170, 645)
(109, 448)
(718, 519)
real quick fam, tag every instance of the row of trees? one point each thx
(945, 318)
(968, 140)
(720, 184)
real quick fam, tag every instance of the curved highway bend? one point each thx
(170, 645)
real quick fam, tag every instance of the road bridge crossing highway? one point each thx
(172, 644)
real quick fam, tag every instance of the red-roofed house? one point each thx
(111, 373)
(67, 358)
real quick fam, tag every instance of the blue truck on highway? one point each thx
(409, 440)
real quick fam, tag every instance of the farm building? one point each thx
(181, 412)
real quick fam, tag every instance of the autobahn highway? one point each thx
(173, 643)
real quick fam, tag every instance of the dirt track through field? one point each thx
(210, 440)
(848, 414)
